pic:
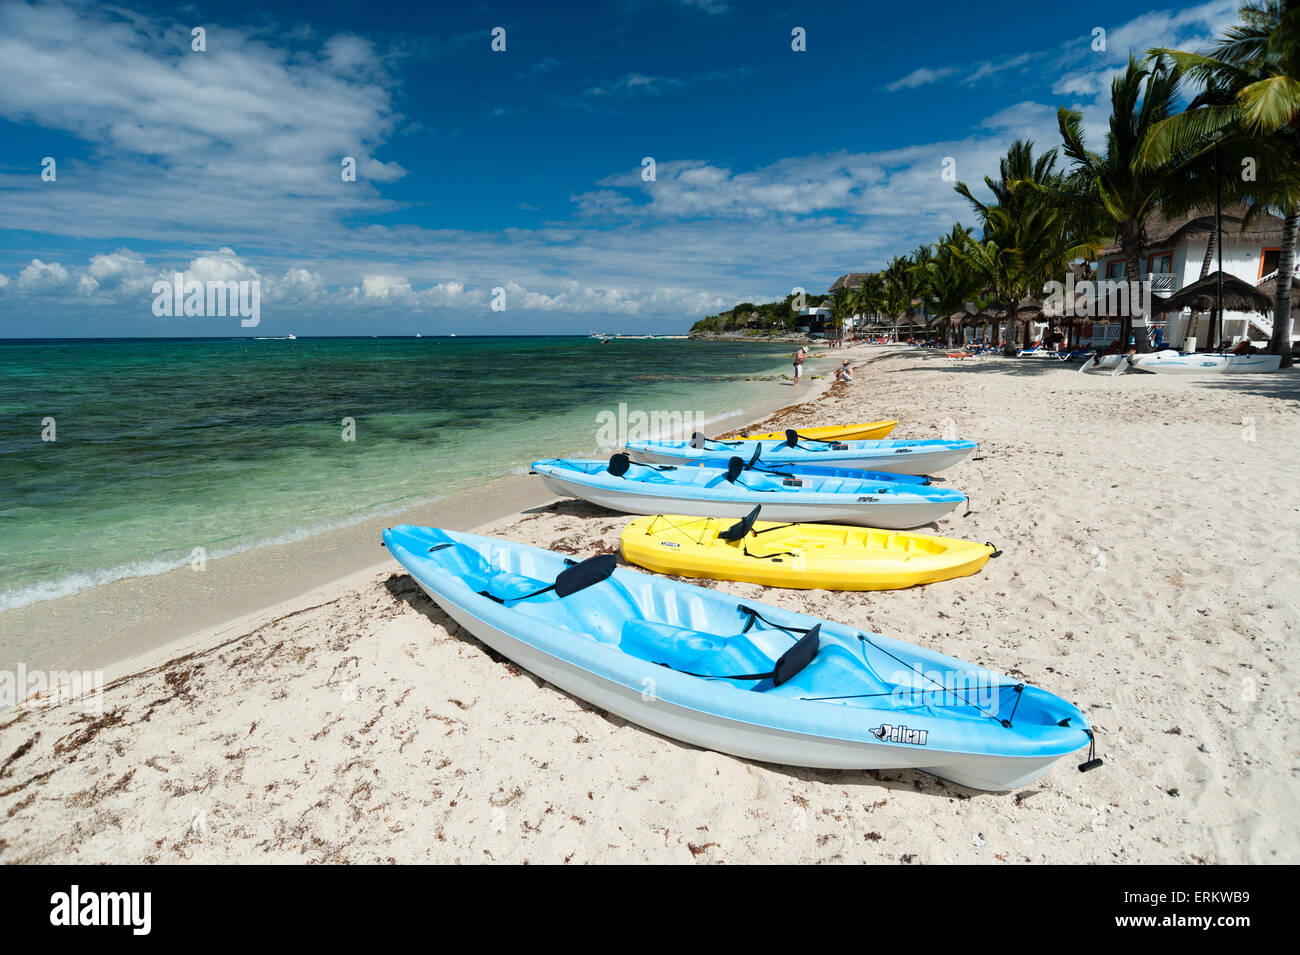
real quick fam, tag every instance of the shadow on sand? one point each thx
(1284, 384)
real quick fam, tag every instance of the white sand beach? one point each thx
(1149, 576)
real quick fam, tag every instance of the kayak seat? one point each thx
(693, 650)
(507, 586)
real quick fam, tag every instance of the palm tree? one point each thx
(841, 307)
(1116, 184)
(867, 297)
(1251, 78)
(951, 281)
(1033, 195)
(902, 289)
(1028, 237)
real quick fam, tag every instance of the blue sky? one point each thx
(518, 170)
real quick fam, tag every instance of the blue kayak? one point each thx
(893, 456)
(740, 677)
(733, 488)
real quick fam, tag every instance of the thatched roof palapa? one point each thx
(1163, 231)
(848, 280)
(1238, 296)
(1269, 288)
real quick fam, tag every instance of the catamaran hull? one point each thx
(1102, 364)
(1173, 363)
(747, 741)
(892, 515)
(892, 461)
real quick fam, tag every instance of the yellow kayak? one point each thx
(798, 556)
(866, 431)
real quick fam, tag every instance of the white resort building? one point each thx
(1180, 252)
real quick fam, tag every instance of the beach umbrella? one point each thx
(1200, 296)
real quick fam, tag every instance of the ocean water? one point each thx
(164, 446)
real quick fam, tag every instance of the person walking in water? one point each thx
(799, 356)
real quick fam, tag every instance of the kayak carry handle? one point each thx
(1093, 760)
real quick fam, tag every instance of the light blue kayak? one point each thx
(732, 489)
(894, 456)
(736, 676)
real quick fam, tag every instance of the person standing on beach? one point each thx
(799, 356)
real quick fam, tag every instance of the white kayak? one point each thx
(1205, 363)
(807, 494)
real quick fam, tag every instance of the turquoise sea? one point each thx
(164, 446)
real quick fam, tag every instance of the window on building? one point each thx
(1115, 269)
(1160, 263)
(1268, 261)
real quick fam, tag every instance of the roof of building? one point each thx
(848, 280)
(1238, 296)
(1163, 231)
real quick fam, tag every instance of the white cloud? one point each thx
(38, 276)
(385, 286)
(922, 76)
(196, 155)
(243, 134)
(634, 83)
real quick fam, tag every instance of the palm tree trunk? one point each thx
(1209, 253)
(1281, 340)
(1133, 256)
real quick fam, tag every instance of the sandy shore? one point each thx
(1142, 579)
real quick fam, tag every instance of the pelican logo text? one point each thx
(900, 734)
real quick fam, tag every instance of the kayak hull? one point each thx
(716, 715)
(734, 737)
(1102, 364)
(898, 457)
(866, 431)
(804, 557)
(876, 510)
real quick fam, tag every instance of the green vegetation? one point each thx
(779, 316)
